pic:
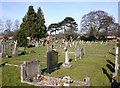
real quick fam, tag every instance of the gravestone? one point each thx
(77, 51)
(0, 55)
(67, 63)
(29, 70)
(82, 52)
(73, 43)
(116, 61)
(53, 45)
(3, 48)
(52, 61)
(15, 50)
(70, 45)
(36, 43)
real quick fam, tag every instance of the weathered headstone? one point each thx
(15, 50)
(82, 53)
(52, 61)
(67, 63)
(29, 70)
(77, 51)
(3, 48)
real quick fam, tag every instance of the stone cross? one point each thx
(67, 63)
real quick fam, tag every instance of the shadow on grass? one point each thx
(3, 64)
(31, 46)
(10, 56)
(111, 63)
(70, 60)
(109, 76)
(59, 64)
(110, 68)
(43, 70)
(112, 53)
(22, 53)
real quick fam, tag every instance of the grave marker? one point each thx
(52, 61)
(15, 50)
(29, 70)
(116, 61)
(67, 63)
(36, 44)
(77, 51)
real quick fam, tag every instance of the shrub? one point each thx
(21, 39)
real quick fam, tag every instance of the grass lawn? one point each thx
(97, 64)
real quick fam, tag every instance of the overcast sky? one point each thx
(56, 11)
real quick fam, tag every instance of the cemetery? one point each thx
(61, 54)
(83, 59)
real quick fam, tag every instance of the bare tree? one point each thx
(8, 28)
(95, 21)
(16, 25)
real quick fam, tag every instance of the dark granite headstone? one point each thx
(52, 61)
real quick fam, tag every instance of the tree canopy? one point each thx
(34, 23)
(95, 22)
(68, 25)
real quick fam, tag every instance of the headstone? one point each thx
(53, 45)
(77, 51)
(29, 70)
(116, 61)
(15, 50)
(70, 45)
(3, 48)
(67, 63)
(0, 55)
(52, 61)
(82, 53)
(36, 44)
(84, 50)
(73, 43)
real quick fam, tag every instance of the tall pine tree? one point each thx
(40, 25)
(31, 21)
(34, 24)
